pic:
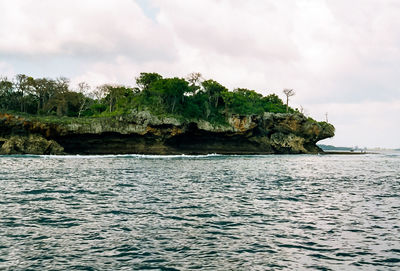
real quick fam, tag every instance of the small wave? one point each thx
(312, 248)
(221, 212)
(387, 153)
(393, 155)
(137, 156)
(122, 156)
(389, 260)
(21, 156)
(322, 256)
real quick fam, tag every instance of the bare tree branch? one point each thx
(289, 93)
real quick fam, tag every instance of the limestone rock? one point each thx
(142, 132)
(32, 144)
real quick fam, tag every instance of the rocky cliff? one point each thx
(145, 133)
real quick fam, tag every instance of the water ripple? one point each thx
(135, 212)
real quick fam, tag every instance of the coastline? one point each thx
(144, 133)
(346, 153)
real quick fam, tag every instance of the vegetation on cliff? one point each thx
(145, 133)
(156, 116)
(190, 98)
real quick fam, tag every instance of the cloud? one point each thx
(337, 56)
(6, 69)
(85, 29)
(323, 49)
(369, 124)
(231, 29)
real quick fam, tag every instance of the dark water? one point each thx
(208, 212)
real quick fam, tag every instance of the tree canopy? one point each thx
(193, 98)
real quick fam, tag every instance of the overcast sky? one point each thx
(341, 57)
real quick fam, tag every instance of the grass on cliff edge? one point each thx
(51, 118)
(105, 115)
(219, 120)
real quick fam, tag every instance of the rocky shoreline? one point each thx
(144, 133)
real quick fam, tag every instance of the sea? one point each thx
(213, 212)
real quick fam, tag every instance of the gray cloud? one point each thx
(325, 49)
(337, 56)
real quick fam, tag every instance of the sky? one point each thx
(341, 58)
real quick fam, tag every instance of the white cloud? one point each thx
(340, 57)
(321, 48)
(6, 70)
(88, 29)
(370, 124)
(231, 28)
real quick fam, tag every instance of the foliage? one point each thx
(146, 79)
(191, 98)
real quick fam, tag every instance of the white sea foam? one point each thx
(138, 156)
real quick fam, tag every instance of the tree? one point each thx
(146, 79)
(108, 94)
(289, 93)
(83, 89)
(243, 102)
(171, 90)
(191, 98)
(61, 97)
(98, 93)
(43, 89)
(116, 96)
(273, 99)
(6, 94)
(195, 79)
(214, 90)
(301, 109)
(22, 87)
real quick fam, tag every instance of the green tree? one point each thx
(272, 103)
(116, 96)
(22, 86)
(60, 98)
(190, 98)
(172, 91)
(272, 99)
(43, 89)
(145, 79)
(243, 102)
(8, 99)
(214, 90)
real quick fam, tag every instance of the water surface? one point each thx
(133, 212)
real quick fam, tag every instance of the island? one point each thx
(157, 116)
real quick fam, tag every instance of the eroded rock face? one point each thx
(32, 144)
(144, 133)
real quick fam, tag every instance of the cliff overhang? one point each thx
(145, 133)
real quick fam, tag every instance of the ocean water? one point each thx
(134, 212)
